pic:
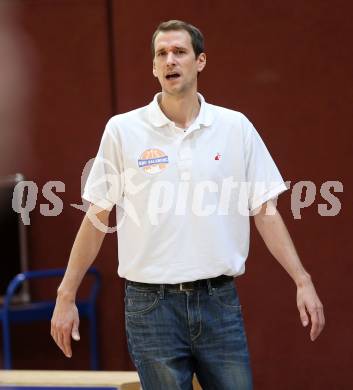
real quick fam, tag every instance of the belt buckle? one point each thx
(181, 287)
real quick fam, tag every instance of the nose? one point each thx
(170, 58)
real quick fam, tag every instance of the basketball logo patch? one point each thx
(153, 161)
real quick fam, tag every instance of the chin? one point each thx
(172, 91)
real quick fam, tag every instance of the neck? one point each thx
(182, 110)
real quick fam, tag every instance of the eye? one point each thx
(161, 53)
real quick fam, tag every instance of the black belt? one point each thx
(186, 286)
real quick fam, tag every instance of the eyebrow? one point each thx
(174, 47)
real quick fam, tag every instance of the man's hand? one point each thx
(64, 324)
(308, 301)
(272, 229)
(65, 319)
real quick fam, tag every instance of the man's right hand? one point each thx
(64, 324)
(65, 319)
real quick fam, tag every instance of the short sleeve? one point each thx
(104, 185)
(262, 175)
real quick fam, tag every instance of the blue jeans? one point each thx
(173, 334)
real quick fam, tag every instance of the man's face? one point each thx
(175, 64)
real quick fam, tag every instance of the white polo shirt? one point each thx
(182, 196)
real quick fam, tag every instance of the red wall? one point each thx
(288, 68)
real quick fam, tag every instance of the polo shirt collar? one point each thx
(158, 119)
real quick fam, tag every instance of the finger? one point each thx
(55, 334)
(75, 334)
(66, 342)
(52, 331)
(303, 316)
(321, 319)
(315, 325)
(60, 340)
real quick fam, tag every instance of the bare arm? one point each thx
(65, 319)
(277, 239)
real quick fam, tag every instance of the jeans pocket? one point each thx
(139, 301)
(226, 296)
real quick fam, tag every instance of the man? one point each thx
(185, 173)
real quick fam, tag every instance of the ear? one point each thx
(201, 61)
(154, 71)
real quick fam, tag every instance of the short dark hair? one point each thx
(196, 36)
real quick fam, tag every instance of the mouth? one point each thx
(172, 76)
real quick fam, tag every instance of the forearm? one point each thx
(277, 239)
(84, 251)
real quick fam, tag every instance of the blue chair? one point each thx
(43, 310)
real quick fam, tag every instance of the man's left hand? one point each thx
(308, 301)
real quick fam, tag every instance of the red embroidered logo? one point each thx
(218, 156)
